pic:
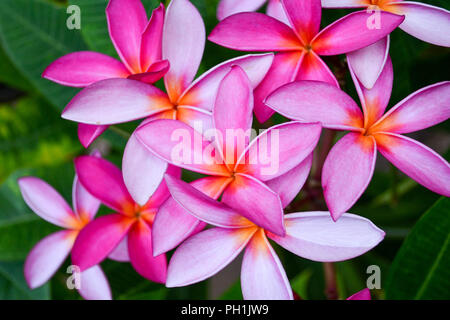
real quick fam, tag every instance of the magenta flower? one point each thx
(300, 46)
(138, 43)
(350, 164)
(361, 295)
(234, 169)
(129, 229)
(311, 235)
(120, 100)
(49, 254)
(274, 8)
(423, 21)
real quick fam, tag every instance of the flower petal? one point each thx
(94, 285)
(275, 10)
(355, 31)
(87, 133)
(183, 44)
(155, 72)
(262, 274)
(151, 39)
(315, 236)
(344, 3)
(197, 118)
(47, 256)
(347, 172)
(417, 161)
(227, 8)
(84, 204)
(120, 253)
(314, 101)
(252, 31)
(203, 255)
(46, 202)
(361, 295)
(305, 17)
(80, 69)
(162, 193)
(312, 67)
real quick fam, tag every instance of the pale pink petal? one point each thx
(355, 31)
(347, 172)
(417, 161)
(120, 253)
(420, 110)
(262, 274)
(98, 239)
(116, 101)
(279, 149)
(289, 184)
(183, 43)
(80, 69)
(314, 101)
(315, 236)
(425, 22)
(344, 3)
(198, 118)
(141, 254)
(46, 202)
(94, 284)
(126, 23)
(304, 16)
(203, 255)
(252, 31)
(312, 67)
(173, 223)
(162, 193)
(227, 8)
(84, 204)
(155, 72)
(361, 295)
(104, 181)
(275, 10)
(151, 41)
(87, 133)
(47, 256)
(367, 63)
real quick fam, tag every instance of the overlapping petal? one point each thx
(87, 133)
(305, 17)
(94, 284)
(84, 204)
(151, 39)
(227, 8)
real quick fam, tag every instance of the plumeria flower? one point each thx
(128, 228)
(350, 164)
(120, 100)
(138, 43)
(311, 235)
(423, 21)
(361, 295)
(274, 8)
(301, 46)
(249, 183)
(49, 254)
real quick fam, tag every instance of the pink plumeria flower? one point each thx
(129, 229)
(299, 46)
(361, 295)
(311, 235)
(121, 100)
(138, 43)
(274, 8)
(423, 21)
(238, 179)
(49, 254)
(350, 164)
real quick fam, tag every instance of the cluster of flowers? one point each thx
(155, 211)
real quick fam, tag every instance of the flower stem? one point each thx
(330, 281)
(120, 132)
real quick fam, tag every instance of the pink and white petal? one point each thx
(423, 21)
(252, 31)
(104, 181)
(255, 201)
(141, 254)
(162, 193)
(203, 255)
(347, 172)
(183, 44)
(80, 69)
(305, 17)
(315, 236)
(344, 3)
(312, 67)
(198, 118)
(275, 10)
(202, 92)
(279, 149)
(151, 39)
(173, 224)
(126, 30)
(262, 274)
(417, 161)
(227, 8)
(47, 256)
(289, 184)
(315, 101)
(420, 110)
(120, 253)
(84, 204)
(87, 133)
(155, 72)
(94, 284)
(368, 63)
(46, 202)
(98, 239)
(180, 145)
(361, 295)
(203, 207)
(354, 32)
(116, 101)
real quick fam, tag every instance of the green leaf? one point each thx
(10, 76)
(421, 268)
(300, 283)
